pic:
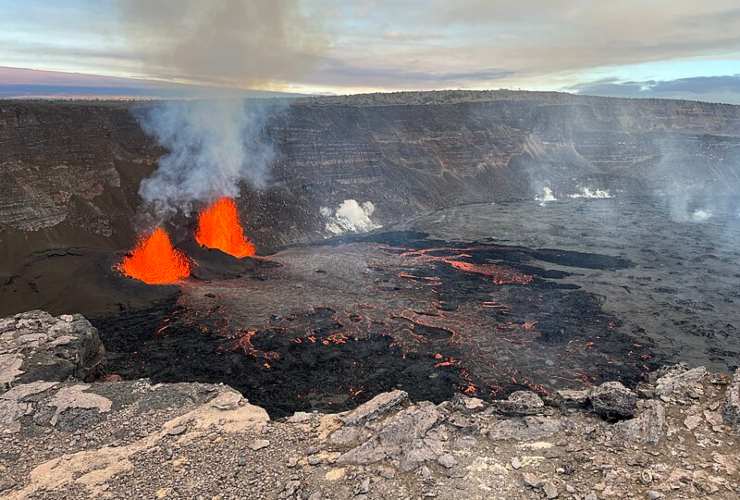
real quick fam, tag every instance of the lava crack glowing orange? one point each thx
(219, 227)
(155, 261)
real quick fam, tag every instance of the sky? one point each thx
(647, 48)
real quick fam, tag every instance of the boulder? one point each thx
(520, 404)
(468, 404)
(38, 346)
(612, 400)
(379, 405)
(648, 426)
(679, 382)
(402, 437)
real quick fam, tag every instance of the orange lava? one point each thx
(500, 275)
(219, 227)
(155, 261)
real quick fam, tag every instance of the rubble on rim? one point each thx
(675, 436)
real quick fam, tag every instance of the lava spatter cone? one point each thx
(155, 261)
(219, 227)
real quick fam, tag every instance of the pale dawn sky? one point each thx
(649, 48)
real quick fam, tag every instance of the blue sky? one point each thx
(647, 48)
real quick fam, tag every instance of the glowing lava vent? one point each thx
(155, 261)
(219, 227)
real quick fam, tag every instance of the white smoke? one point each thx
(350, 216)
(701, 215)
(546, 196)
(213, 146)
(228, 46)
(587, 192)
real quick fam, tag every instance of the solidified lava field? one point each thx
(482, 299)
(681, 292)
(328, 326)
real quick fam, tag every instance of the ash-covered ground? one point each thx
(480, 299)
(680, 292)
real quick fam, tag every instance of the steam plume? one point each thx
(214, 145)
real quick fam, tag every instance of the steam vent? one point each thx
(241, 257)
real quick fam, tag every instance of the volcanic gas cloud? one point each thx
(155, 261)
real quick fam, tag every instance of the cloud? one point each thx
(367, 74)
(538, 39)
(333, 44)
(21, 82)
(706, 88)
(228, 42)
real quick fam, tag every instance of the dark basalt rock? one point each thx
(612, 400)
(38, 346)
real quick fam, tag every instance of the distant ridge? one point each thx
(22, 83)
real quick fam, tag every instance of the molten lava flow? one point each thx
(499, 274)
(219, 227)
(155, 261)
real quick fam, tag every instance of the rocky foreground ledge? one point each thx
(675, 436)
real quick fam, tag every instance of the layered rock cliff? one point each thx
(71, 171)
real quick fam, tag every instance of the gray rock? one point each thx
(470, 405)
(648, 426)
(259, 444)
(76, 397)
(613, 400)
(363, 487)
(13, 404)
(591, 496)
(677, 381)
(379, 405)
(290, 489)
(176, 431)
(731, 406)
(532, 481)
(519, 404)
(572, 398)
(654, 495)
(644, 390)
(401, 437)
(300, 417)
(347, 437)
(23, 391)
(551, 491)
(38, 346)
(6, 483)
(525, 429)
(447, 461)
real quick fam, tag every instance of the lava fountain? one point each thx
(155, 261)
(219, 227)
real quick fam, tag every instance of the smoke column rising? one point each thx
(213, 145)
(228, 45)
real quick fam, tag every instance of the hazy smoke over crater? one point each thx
(218, 143)
(214, 146)
(236, 43)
